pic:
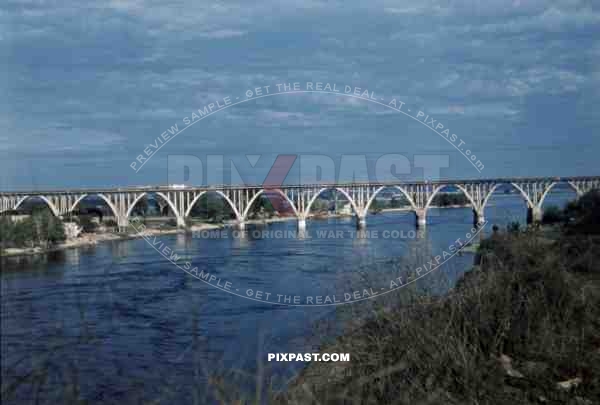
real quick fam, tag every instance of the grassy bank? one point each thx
(524, 327)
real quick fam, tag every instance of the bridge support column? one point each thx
(534, 215)
(421, 215)
(361, 222)
(240, 225)
(301, 224)
(478, 217)
(180, 222)
(122, 224)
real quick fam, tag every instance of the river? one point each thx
(118, 323)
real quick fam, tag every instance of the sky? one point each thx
(88, 85)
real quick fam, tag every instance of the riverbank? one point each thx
(90, 239)
(521, 327)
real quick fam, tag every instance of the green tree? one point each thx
(319, 205)
(375, 206)
(85, 221)
(23, 233)
(56, 231)
(141, 207)
(552, 215)
(6, 232)
(514, 227)
(584, 214)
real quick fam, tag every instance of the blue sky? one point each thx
(88, 84)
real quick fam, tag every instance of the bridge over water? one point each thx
(419, 194)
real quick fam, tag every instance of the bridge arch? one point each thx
(513, 185)
(197, 198)
(575, 188)
(342, 191)
(543, 197)
(158, 193)
(77, 201)
(458, 186)
(380, 189)
(54, 210)
(530, 203)
(110, 205)
(102, 197)
(261, 192)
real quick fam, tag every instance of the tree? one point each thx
(85, 221)
(584, 214)
(56, 232)
(514, 227)
(447, 199)
(6, 232)
(23, 233)
(262, 207)
(376, 206)
(552, 215)
(319, 205)
(141, 207)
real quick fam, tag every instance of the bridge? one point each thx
(419, 194)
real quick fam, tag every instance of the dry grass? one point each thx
(528, 300)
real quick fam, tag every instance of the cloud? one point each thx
(278, 119)
(111, 73)
(474, 110)
(224, 33)
(59, 138)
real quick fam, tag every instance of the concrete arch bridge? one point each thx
(419, 194)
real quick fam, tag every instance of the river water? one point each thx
(119, 323)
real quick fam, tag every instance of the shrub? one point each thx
(85, 221)
(552, 215)
(513, 227)
(110, 223)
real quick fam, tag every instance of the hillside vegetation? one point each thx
(522, 328)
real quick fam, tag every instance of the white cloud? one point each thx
(224, 33)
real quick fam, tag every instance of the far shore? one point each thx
(90, 239)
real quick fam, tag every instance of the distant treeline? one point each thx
(214, 208)
(40, 229)
(447, 199)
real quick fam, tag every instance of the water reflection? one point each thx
(72, 256)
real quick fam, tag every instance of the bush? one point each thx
(110, 223)
(527, 304)
(552, 215)
(519, 304)
(513, 227)
(447, 199)
(584, 214)
(85, 221)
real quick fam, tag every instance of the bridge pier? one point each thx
(240, 225)
(478, 218)
(180, 222)
(421, 215)
(361, 222)
(534, 215)
(122, 224)
(301, 224)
